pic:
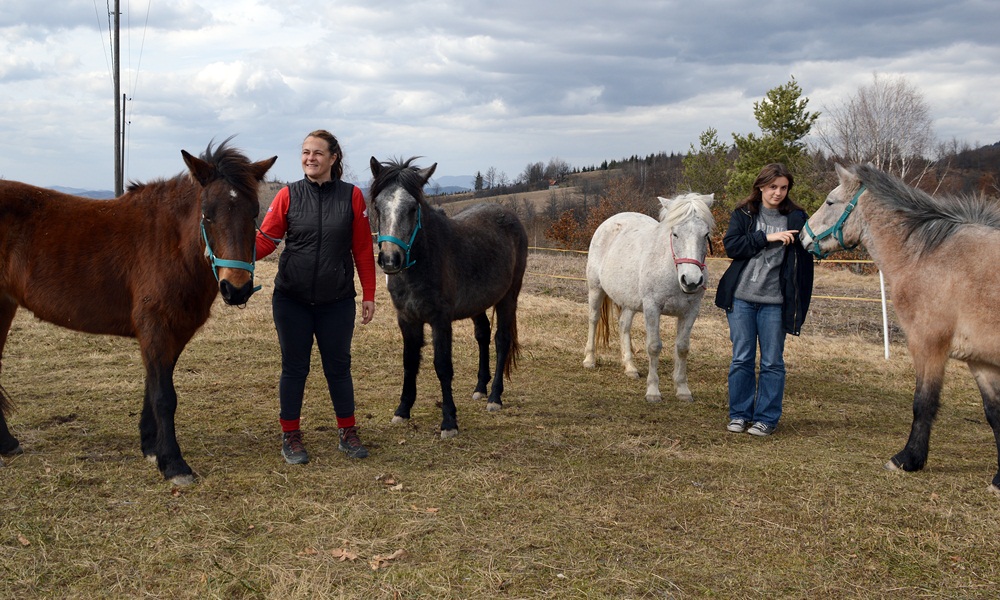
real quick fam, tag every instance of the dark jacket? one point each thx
(317, 266)
(743, 242)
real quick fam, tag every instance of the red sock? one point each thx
(287, 426)
(344, 422)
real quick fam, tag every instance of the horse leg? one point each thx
(482, 323)
(625, 336)
(653, 348)
(441, 338)
(988, 380)
(595, 300)
(8, 443)
(413, 342)
(507, 349)
(929, 366)
(682, 344)
(158, 412)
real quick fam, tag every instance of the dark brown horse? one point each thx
(143, 265)
(441, 270)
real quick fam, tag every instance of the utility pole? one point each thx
(119, 133)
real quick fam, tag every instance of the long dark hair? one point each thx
(769, 173)
(338, 167)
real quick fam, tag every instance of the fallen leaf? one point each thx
(23, 540)
(378, 561)
(397, 488)
(343, 554)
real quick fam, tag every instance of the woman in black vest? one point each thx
(324, 223)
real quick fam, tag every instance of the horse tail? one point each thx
(603, 332)
(6, 402)
(515, 348)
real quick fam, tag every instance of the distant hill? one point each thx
(451, 184)
(95, 194)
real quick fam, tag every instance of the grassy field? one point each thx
(577, 489)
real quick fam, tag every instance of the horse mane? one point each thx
(230, 165)
(684, 207)
(399, 172)
(927, 220)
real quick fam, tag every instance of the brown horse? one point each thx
(940, 259)
(143, 265)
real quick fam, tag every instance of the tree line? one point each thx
(886, 123)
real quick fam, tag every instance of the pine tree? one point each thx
(784, 122)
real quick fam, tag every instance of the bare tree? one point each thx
(490, 178)
(886, 123)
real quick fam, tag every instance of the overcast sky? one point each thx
(468, 84)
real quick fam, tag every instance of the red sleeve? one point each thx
(275, 224)
(364, 253)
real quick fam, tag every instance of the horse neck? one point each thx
(881, 235)
(174, 206)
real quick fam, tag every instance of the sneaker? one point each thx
(761, 429)
(351, 443)
(293, 449)
(737, 425)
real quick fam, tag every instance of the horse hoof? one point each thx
(182, 480)
(478, 395)
(398, 419)
(891, 466)
(654, 399)
(686, 398)
(151, 458)
(589, 363)
(17, 450)
(493, 406)
(448, 433)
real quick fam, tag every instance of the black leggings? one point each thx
(332, 325)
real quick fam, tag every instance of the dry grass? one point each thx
(577, 489)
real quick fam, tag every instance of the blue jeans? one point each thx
(751, 398)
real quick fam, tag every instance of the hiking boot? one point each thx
(761, 429)
(351, 443)
(293, 449)
(737, 425)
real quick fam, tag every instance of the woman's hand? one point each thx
(785, 237)
(367, 311)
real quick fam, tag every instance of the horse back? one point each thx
(630, 261)
(942, 297)
(84, 264)
(481, 255)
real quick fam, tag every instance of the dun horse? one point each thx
(656, 267)
(443, 269)
(939, 257)
(145, 265)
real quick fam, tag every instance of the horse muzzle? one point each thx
(236, 296)
(390, 262)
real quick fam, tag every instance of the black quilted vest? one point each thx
(316, 265)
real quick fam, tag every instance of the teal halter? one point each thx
(404, 245)
(836, 230)
(217, 262)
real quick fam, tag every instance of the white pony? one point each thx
(657, 267)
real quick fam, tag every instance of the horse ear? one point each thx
(261, 167)
(843, 174)
(200, 170)
(376, 166)
(708, 199)
(663, 201)
(425, 174)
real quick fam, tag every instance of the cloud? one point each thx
(470, 85)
